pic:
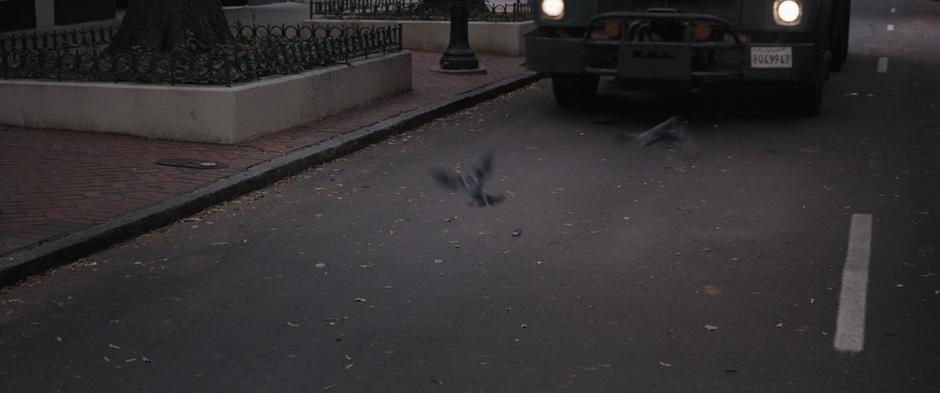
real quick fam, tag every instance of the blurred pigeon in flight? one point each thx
(672, 130)
(471, 183)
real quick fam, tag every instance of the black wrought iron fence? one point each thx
(257, 51)
(60, 39)
(520, 10)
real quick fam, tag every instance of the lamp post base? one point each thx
(473, 71)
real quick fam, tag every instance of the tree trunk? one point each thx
(161, 25)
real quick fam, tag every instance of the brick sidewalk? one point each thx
(55, 182)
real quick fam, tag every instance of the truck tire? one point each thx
(574, 91)
(808, 98)
(840, 43)
(809, 94)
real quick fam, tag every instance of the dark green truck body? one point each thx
(695, 42)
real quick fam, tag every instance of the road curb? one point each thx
(19, 264)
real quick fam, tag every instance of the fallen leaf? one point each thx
(291, 324)
(731, 370)
(349, 366)
(359, 300)
(779, 325)
(712, 290)
(664, 364)
(131, 360)
(107, 359)
(328, 319)
(145, 359)
(811, 149)
(439, 382)
(321, 265)
(112, 346)
(329, 387)
(517, 233)
(711, 328)
(438, 261)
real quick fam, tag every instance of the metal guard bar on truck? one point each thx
(688, 18)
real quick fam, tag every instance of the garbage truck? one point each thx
(784, 46)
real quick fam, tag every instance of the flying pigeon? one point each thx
(471, 183)
(671, 130)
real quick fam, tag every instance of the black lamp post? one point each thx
(459, 56)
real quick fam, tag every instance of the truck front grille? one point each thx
(728, 9)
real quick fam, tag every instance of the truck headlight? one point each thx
(788, 12)
(553, 9)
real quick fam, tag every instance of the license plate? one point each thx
(772, 57)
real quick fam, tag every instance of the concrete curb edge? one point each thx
(20, 264)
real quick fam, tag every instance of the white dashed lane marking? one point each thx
(882, 65)
(850, 323)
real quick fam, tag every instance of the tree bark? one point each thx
(161, 25)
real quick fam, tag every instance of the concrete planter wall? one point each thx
(505, 38)
(204, 114)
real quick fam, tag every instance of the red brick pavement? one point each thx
(54, 182)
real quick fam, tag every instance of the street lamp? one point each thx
(459, 57)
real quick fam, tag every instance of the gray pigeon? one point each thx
(471, 183)
(671, 130)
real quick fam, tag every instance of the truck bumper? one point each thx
(688, 61)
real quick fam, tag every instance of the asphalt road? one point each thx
(714, 264)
